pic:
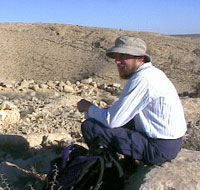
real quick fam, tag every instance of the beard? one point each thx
(125, 76)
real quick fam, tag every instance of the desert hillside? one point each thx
(66, 52)
(45, 69)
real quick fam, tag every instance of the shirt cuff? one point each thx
(91, 111)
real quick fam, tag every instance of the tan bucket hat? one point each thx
(128, 45)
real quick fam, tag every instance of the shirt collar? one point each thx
(144, 66)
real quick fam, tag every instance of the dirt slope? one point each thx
(65, 52)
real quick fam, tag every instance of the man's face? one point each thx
(127, 64)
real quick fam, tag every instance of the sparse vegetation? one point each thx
(4, 183)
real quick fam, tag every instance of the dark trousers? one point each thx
(131, 143)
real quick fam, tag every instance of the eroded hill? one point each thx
(65, 52)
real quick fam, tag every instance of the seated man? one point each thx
(147, 121)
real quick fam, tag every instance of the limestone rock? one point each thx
(9, 112)
(32, 141)
(47, 139)
(9, 116)
(68, 89)
(43, 86)
(87, 81)
(183, 173)
(117, 85)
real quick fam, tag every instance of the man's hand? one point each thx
(83, 105)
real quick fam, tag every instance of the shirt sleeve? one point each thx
(134, 98)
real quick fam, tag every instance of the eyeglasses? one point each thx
(125, 56)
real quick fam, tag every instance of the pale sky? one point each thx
(160, 16)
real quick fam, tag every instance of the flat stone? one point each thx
(182, 173)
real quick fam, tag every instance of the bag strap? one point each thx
(108, 154)
(86, 169)
(102, 167)
(118, 166)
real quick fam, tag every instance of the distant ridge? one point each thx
(188, 35)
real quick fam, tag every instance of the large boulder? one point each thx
(182, 173)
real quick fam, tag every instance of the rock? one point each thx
(34, 87)
(102, 86)
(68, 82)
(56, 95)
(78, 83)
(9, 112)
(88, 92)
(87, 81)
(68, 89)
(117, 85)
(109, 100)
(32, 94)
(7, 105)
(51, 84)
(9, 116)
(61, 84)
(7, 84)
(47, 139)
(25, 83)
(43, 86)
(13, 142)
(102, 104)
(181, 173)
(94, 84)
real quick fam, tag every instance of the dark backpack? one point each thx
(81, 169)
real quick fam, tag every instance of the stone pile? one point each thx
(50, 107)
(60, 86)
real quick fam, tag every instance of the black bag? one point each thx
(81, 169)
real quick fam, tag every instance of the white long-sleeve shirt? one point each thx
(152, 100)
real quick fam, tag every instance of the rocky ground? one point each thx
(39, 119)
(47, 68)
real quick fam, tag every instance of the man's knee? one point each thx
(87, 124)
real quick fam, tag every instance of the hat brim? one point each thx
(110, 53)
